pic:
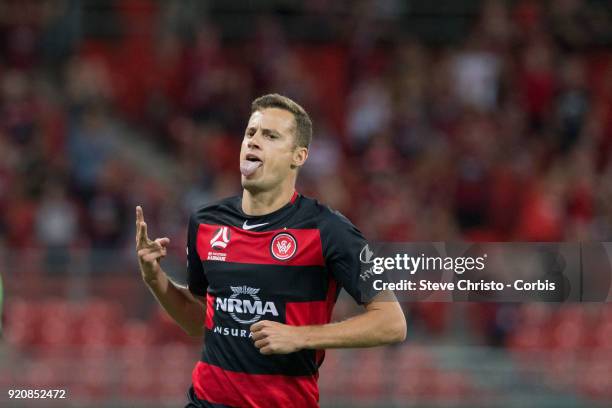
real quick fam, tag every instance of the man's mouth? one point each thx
(250, 164)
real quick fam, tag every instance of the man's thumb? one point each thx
(163, 241)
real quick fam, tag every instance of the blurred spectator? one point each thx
(476, 73)
(537, 82)
(572, 102)
(369, 112)
(57, 225)
(89, 149)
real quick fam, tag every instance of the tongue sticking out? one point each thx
(248, 167)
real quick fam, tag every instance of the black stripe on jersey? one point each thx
(240, 354)
(287, 284)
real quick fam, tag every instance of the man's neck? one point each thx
(266, 202)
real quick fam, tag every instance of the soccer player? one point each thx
(264, 271)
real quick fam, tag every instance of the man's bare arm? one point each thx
(382, 323)
(187, 311)
(178, 302)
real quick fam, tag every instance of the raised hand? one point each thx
(149, 252)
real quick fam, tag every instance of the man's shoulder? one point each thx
(325, 215)
(338, 234)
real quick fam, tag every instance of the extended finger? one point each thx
(140, 239)
(143, 239)
(139, 215)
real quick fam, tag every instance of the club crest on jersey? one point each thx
(283, 246)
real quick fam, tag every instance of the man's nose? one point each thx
(253, 141)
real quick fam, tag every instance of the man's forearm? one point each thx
(181, 306)
(372, 328)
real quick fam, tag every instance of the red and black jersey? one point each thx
(287, 266)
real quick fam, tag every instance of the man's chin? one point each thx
(251, 185)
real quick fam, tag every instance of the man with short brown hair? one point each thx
(264, 271)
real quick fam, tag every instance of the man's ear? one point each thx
(300, 154)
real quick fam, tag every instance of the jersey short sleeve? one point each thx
(196, 278)
(343, 243)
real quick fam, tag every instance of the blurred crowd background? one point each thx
(434, 120)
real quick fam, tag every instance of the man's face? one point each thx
(268, 155)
